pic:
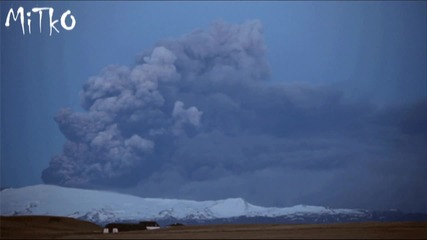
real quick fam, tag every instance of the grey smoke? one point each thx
(195, 117)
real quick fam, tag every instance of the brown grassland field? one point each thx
(36, 227)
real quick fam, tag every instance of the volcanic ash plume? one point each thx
(135, 115)
(196, 118)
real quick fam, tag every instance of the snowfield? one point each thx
(101, 206)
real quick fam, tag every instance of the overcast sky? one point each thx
(280, 103)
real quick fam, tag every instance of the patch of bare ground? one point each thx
(75, 229)
(282, 231)
(34, 227)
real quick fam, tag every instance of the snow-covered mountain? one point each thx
(103, 207)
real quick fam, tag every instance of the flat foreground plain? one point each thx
(31, 227)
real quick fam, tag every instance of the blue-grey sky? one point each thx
(280, 103)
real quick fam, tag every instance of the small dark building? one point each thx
(150, 225)
(123, 227)
(176, 224)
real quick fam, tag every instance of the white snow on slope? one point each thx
(101, 206)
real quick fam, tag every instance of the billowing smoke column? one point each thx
(131, 112)
(196, 118)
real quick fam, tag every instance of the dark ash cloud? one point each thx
(196, 118)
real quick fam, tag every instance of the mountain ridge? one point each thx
(103, 207)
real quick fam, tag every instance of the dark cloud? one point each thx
(196, 118)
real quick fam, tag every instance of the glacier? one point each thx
(104, 207)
